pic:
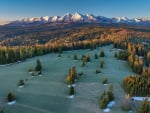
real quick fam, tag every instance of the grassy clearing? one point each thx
(48, 93)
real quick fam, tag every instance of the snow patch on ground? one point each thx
(10, 63)
(40, 75)
(21, 86)
(106, 84)
(71, 96)
(106, 110)
(11, 103)
(73, 85)
(19, 61)
(32, 76)
(140, 98)
(122, 60)
(111, 104)
(6, 64)
(69, 86)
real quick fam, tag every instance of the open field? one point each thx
(48, 93)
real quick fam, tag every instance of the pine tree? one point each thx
(71, 90)
(110, 87)
(102, 54)
(38, 65)
(101, 63)
(83, 62)
(105, 80)
(21, 82)
(75, 57)
(115, 55)
(88, 59)
(96, 56)
(104, 102)
(10, 97)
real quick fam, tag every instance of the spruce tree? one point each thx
(115, 55)
(38, 65)
(102, 54)
(101, 63)
(10, 97)
(21, 83)
(88, 59)
(96, 56)
(83, 62)
(75, 57)
(104, 101)
(71, 91)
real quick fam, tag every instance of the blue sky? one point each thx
(14, 9)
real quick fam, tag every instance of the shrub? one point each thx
(10, 97)
(101, 63)
(83, 57)
(104, 102)
(69, 80)
(30, 69)
(110, 87)
(59, 55)
(75, 57)
(105, 81)
(33, 74)
(98, 71)
(106, 97)
(83, 62)
(96, 56)
(102, 54)
(71, 90)
(38, 65)
(88, 59)
(115, 55)
(81, 73)
(110, 95)
(72, 75)
(21, 83)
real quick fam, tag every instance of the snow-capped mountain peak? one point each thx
(91, 17)
(78, 17)
(55, 19)
(46, 18)
(67, 17)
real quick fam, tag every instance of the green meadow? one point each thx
(49, 93)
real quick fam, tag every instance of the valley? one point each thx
(49, 93)
(80, 56)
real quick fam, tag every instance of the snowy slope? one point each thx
(78, 17)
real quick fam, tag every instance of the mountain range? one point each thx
(79, 18)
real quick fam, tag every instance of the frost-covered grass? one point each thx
(49, 92)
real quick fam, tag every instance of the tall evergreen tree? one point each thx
(38, 65)
(10, 97)
(102, 54)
